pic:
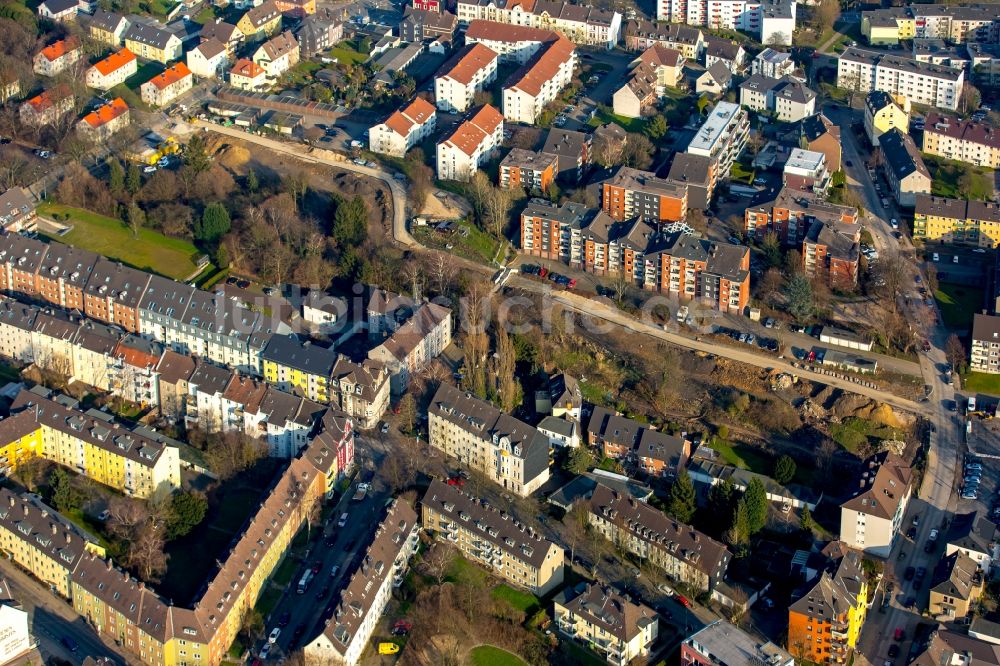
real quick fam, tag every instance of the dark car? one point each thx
(910, 602)
(69, 643)
(299, 632)
(323, 592)
(908, 574)
(929, 546)
(849, 163)
(893, 651)
(911, 533)
(921, 573)
(284, 619)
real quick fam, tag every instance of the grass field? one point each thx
(151, 251)
(347, 54)
(852, 433)
(9, 374)
(946, 174)
(958, 303)
(980, 382)
(743, 457)
(522, 601)
(488, 655)
(628, 124)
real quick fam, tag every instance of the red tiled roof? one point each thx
(47, 98)
(170, 76)
(107, 113)
(657, 54)
(502, 32)
(247, 68)
(114, 62)
(543, 67)
(470, 134)
(58, 49)
(470, 60)
(416, 113)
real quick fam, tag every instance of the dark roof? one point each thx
(604, 607)
(106, 20)
(816, 125)
(722, 48)
(876, 100)
(901, 155)
(832, 593)
(720, 73)
(985, 327)
(567, 144)
(956, 575)
(884, 480)
(972, 532)
(793, 90)
(286, 350)
(149, 34)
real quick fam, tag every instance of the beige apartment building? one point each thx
(962, 140)
(613, 625)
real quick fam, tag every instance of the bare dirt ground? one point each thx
(441, 205)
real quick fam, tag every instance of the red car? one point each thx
(899, 634)
(315, 567)
(456, 481)
(682, 600)
(571, 283)
(543, 271)
(401, 628)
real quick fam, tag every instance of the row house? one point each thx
(530, 89)
(528, 170)
(607, 621)
(469, 72)
(277, 55)
(47, 107)
(108, 28)
(104, 121)
(58, 56)
(791, 213)
(112, 71)
(722, 137)
(227, 34)
(417, 342)
(953, 23)
(293, 365)
(904, 167)
(152, 41)
(655, 453)
(17, 212)
(770, 21)
(642, 35)
(966, 141)
(787, 98)
(260, 22)
(360, 605)
(509, 452)
(493, 539)
(164, 88)
(683, 553)
(832, 254)
(581, 24)
(472, 144)
(209, 59)
(920, 82)
(404, 129)
(958, 221)
(630, 193)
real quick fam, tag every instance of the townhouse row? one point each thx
(581, 24)
(956, 221)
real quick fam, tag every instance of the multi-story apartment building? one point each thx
(58, 56)
(362, 602)
(113, 70)
(152, 41)
(101, 450)
(870, 519)
(319, 32)
(630, 193)
(656, 453)
(641, 35)
(575, 152)
(773, 64)
(530, 89)
(493, 539)
(682, 552)
(953, 23)
(921, 82)
(102, 122)
(420, 24)
(467, 73)
(611, 624)
(225, 33)
(17, 212)
(791, 213)
(410, 347)
(825, 621)
(582, 24)
(17, 321)
(956, 221)
(554, 232)
(260, 22)
(471, 145)
(509, 452)
(722, 642)
(277, 55)
(361, 390)
(771, 21)
(167, 86)
(903, 167)
(40, 540)
(47, 107)
(722, 137)
(788, 98)
(404, 129)
(832, 253)
(806, 170)
(984, 353)
(108, 28)
(884, 112)
(529, 170)
(963, 140)
(698, 174)
(290, 364)
(512, 43)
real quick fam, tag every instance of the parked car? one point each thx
(273, 636)
(908, 574)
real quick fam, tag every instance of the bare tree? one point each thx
(892, 271)
(498, 205)
(621, 282)
(443, 271)
(12, 166)
(508, 387)
(436, 562)
(970, 98)
(826, 14)
(476, 342)
(954, 350)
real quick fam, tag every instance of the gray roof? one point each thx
(106, 20)
(558, 426)
(606, 608)
(972, 532)
(794, 90)
(288, 351)
(151, 35)
(901, 155)
(720, 73)
(732, 646)
(855, 54)
(722, 48)
(582, 487)
(60, 6)
(691, 169)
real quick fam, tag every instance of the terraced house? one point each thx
(493, 539)
(963, 140)
(413, 344)
(582, 24)
(292, 365)
(956, 221)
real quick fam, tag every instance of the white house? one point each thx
(404, 129)
(16, 638)
(871, 519)
(529, 91)
(774, 64)
(469, 72)
(470, 145)
(975, 536)
(561, 432)
(112, 71)
(209, 59)
(277, 55)
(61, 11)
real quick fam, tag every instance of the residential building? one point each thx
(404, 129)
(954, 23)
(976, 143)
(227, 34)
(722, 642)
(471, 145)
(715, 80)
(209, 59)
(985, 350)
(984, 63)
(582, 24)
(421, 339)
(630, 193)
(58, 56)
(722, 136)
(574, 150)
(657, 69)
(682, 552)
(152, 41)
(698, 174)
(17, 321)
(974, 536)
(726, 51)
(60, 11)
(248, 75)
(493, 539)
(607, 621)
(164, 88)
(260, 22)
(787, 98)
(509, 452)
(791, 214)
(428, 5)
(360, 390)
(17, 212)
(770, 21)
(924, 83)
(554, 232)
(363, 600)
(825, 621)
(319, 32)
(653, 452)
(561, 432)
(420, 24)
(870, 519)
(113, 70)
(277, 55)
(323, 312)
(467, 73)
(528, 170)
(641, 35)
(957, 221)
(957, 583)
(832, 253)
(108, 28)
(703, 469)
(806, 170)
(773, 64)
(818, 133)
(47, 107)
(102, 122)
(903, 167)
(530, 89)
(296, 9)
(289, 365)
(884, 112)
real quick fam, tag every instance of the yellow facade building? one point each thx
(883, 112)
(298, 367)
(956, 221)
(260, 23)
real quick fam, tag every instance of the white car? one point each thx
(149, 169)
(264, 651)
(273, 636)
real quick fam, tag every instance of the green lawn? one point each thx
(205, 15)
(347, 54)
(476, 245)
(9, 374)
(958, 303)
(151, 251)
(603, 117)
(302, 73)
(522, 601)
(285, 572)
(577, 654)
(743, 173)
(946, 174)
(488, 655)
(743, 457)
(980, 382)
(268, 600)
(853, 433)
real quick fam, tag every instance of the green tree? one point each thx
(806, 519)
(579, 460)
(755, 498)
(739, 530)
(64, 495)
(222, 256)
(196, 158)
(187, 510)
(720, 499)
(799, 293)
(771, 247)
(253, 183)
(683, 501)
(784, 470)
(214, 223)
(656, 127)
(350, 222)
(116, 176)
(134, 179)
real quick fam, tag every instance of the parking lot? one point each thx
(984, 458)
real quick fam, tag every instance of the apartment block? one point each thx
(226, 34)
(290, 364)
(871, 518)
(770, 21)
(641, 35)
(832, 253)
(773, 64)
(575, 152)
(787, 98)
(471, 145)
(153, 41)
(17, 212)
(655, 453)
(319, 32)
(360, 390)
(806, 170)
(884, 112)
(682, 552)
(609, 622)
(467, 73)
(953, 23)
(975, 536)
(102, 122)
(962, 140)
(985, 349)
(108, 27)
(720, 641)
(630, 193)
(57, 57)
(404, 129)
(47, 107)
(699, 174)
(421, 339)
(208, 60)
(904, 167)
(581, 24)
(921, 82)
(164, 88)
(722, 137)
(277, 55)
(419, 24)
(791, 214)
(528, 170)
(554, 232)
(113, 70)
(508, 451)
(530, 89)
(493, 539)
(261, 21)
(956, 221)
